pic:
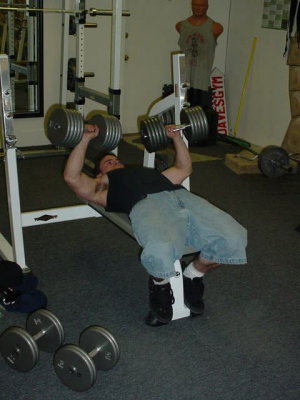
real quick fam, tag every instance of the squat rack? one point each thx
(15, 55)
(19, 220)
(112, 99)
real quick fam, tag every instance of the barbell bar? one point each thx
(20, 347)
(76, 365)
(92, 11)
(65, 128)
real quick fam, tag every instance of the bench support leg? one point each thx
(179, 308)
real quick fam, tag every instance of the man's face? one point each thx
(109, 163)
(199, 7)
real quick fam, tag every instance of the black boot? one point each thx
(193, 294)
(161, 299)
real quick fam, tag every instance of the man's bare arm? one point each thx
(87, 188)
(182, 167)
(178, 26)
(217, 29)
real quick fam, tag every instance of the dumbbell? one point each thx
(20, 347)
(65, 128)
(194, 123)
(76, 366)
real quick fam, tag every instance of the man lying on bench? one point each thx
(165, 218)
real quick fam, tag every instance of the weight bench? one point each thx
(123, 222)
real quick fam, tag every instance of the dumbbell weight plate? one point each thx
(19, 349)
(110, 132)
(74, 368)
(75, 129)
(44, 320)
(57, 127)
(205, 127)
(273, 161)
(168, 116)
(197, 133)
(100, 338)
(116, 132)
(64, 127)
(153, 134)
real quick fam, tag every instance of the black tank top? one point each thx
(129, 185)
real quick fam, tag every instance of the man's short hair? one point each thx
(99, 158)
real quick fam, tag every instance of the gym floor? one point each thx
(245, 346)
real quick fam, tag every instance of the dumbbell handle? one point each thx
(39, 334)
(181, 127)
(96, 350)
(176, 129)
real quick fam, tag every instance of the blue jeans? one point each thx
(165, 223)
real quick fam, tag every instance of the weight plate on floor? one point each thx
(43, 320)
(74, 368)
(96, 337)
(19, 349)
(273, 161)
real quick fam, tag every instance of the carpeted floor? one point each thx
(245, 346)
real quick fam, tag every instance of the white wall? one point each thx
(265, 114)
(152, 37)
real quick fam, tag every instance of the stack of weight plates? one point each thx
(198, 131)
(64, 127)
(153, 134)
(110, 132)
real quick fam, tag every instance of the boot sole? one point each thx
(193, 309)
(153, 319)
